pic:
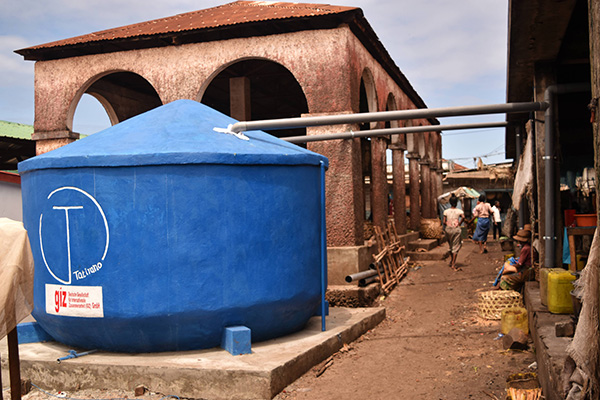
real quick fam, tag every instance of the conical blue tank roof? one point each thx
(181, 132)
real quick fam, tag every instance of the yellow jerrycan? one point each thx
(514, 317)
(544, 283)
(560, 284)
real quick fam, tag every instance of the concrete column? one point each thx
(434, 173)
(379, 189)
(425, 188)
(239, 98)
(415, 201)
(343, 185)
(435, 168)
(47, 141)
(399, 188)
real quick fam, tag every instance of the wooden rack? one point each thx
(390, 263)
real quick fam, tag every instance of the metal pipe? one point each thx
(549, 157)
(323, 250)
(302, 122)
(519, 152)
(366, 281)
(74, 354)
(376, 266)
(360, 275)
(391, 131)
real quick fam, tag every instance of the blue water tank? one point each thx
(159, 232)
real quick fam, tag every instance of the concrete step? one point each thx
(426, 244)
(437, 254)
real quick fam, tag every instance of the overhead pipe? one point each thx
(303, 122)
(549, 157)
(391, 131)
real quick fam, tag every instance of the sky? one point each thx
(452, 52)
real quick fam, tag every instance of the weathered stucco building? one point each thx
(253, 61)
(554, 56)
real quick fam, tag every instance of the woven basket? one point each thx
(431, 228)
(493, 302)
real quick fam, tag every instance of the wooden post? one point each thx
(594, 31)
(594, 39)
(14, 365)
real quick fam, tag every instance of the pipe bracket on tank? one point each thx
(228, 130)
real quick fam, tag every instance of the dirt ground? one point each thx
(432, 345)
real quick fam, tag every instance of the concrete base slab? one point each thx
(211, 373)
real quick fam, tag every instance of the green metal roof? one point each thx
(15, 144)
(15, 130)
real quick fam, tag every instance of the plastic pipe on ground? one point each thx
(360, 275)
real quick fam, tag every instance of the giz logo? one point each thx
(60, 299)
(68, 210)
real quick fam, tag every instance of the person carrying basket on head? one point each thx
(453, 218)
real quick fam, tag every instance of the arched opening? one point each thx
(393, 171)
(257, 89)
(390, 105)
(367, 102)
(90, 116)
(121, 95)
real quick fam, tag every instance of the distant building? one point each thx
(496, 181)
(10, 196)
(549, 60)
(15, 144)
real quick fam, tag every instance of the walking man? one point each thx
(497, 219)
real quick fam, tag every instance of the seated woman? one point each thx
(517, 273)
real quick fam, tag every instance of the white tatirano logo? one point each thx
(67, 210)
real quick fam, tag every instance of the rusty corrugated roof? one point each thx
(239, 12)
(232, 20)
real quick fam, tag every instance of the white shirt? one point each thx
(496, 214)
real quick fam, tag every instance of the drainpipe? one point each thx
(549, 157)
(519, 152)
(324, 304)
